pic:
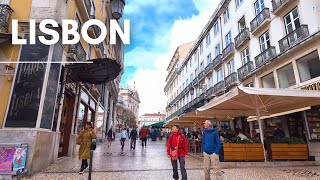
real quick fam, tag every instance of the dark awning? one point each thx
(100, 71)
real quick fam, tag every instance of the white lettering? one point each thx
(102, 35)
(53, 33)
(73, 31)
(15, 39)
(124, 35)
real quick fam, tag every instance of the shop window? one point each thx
(268, 81)
(84, 97)
(286, 76)
(313, 118)
(308, 66)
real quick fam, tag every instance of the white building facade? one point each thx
(130, 100)
(255, 43)
(148, 119)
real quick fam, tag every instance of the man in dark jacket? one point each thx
(133, 136)
(211, 146)
(177, 143)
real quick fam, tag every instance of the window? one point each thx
(190, 62)
(264, 41)
(241, 24)
(238, 3)
(216, 28)
(196, 72)
(202, 66)
(218, 50)
(196, 56)
(268, 81)
(183, 86)
(187, 82)
(209, 60)
(286, 76)
(230, 66)
(259, 6)
(226, 15)
(292, 21)
(228, 39)
(245, 57)
(191, 77)
(219, 75)
(210, 82)
(308, 66)
(208, 41)
(201, 48)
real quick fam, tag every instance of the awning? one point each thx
(100, 71)
(254, 118)
(157, 124)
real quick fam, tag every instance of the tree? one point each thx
(125, 117)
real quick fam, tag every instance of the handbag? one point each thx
(174, 152)
(93, 145)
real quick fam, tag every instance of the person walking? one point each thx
(143, 134)
(84, 140)
(133, 136)
(123, 137)
(211, 146)
(177, 149)
(110, 138)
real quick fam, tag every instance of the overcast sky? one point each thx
(157, 28)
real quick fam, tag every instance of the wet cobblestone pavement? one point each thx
(153, 164)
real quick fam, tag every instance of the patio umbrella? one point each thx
(262, 101)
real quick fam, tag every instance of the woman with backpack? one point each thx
(177, 149)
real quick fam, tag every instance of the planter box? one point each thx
(289, 151)
(243, 152)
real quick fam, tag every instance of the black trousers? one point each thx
(182, 167)
(144, 142)
(133, 144)
(122, 142)
(84, 164)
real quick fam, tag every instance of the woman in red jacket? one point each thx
(177, 149)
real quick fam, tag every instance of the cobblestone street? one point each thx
(153, 164)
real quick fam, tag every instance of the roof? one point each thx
(154, 114)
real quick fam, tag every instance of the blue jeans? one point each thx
(182, 167)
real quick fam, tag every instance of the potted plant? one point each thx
(288, 149)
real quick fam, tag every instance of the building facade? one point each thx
(129, 99)
(255, 43)
(149, 119)
(41, 104)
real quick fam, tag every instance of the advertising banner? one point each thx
(19, 159)
(6, 159)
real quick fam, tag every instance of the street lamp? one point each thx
(117, 7)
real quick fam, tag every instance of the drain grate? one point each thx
(301, 173)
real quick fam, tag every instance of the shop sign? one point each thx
(314, 86)
(6, 159)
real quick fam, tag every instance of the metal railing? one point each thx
(5, 17)
(195, 81)
(79, 51)
(293, 38)
(228, 50)
(265, 56)
(217, 61)
(219, 87)
(242, 37)
(277, 3)
(209, 68)
(202, 96)
(201, 75)
(257, 21)
(245, 70)
(210, 92)
(231, 80)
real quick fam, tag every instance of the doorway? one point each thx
(66, 124)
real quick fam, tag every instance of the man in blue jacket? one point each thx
(211, 146)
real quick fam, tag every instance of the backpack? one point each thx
(182, 138)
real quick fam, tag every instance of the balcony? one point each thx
(5, 17)
(217, 61)
(202, 96)
(231, 80)
(260, 21)
(245, 70)
(196, 100)
(279, 5)
(84, 7)
(189, 86)
(210, 92)
(229, 50)
(195, 81)
(100, 50)
(219, 88)
(242, 37)
(77, 52)
(209, 68)
(264, 57)
(293, 38)
(201, 75)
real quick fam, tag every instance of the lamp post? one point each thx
(117, 7)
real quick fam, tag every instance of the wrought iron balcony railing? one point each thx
(265, 56)
(277, 5)
(231, 80)
(219, 88)
(217, 61)
(5, 17)
(242, 37)
(259, 19)
(245, 70)
(209, 68)
(195, 81)
(228, 50)
(210, 92)
(293, 38)
(78, 51)
(201, 75)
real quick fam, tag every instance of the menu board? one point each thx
(52, 87)
(27, 87)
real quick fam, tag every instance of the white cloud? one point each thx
(150, 83)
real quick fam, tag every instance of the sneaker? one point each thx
(81, 171)
(86, 168)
